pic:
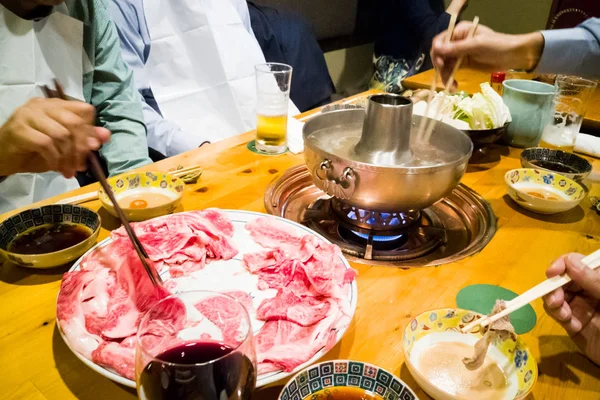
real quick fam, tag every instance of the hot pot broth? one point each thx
(341, 143)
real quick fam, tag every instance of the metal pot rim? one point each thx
(367, 166)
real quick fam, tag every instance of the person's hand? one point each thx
(576, 306)
(49, 135)
(487, 50)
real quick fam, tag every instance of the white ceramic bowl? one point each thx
(543, 192)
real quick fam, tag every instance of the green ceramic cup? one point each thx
(530, 105)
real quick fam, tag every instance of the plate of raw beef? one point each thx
(299, 290)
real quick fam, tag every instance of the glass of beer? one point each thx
(570, 104)
(273, 81)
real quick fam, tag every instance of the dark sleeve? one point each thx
(425, 21)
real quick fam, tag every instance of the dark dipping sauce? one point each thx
(344, 393)
(49, 238)
(555, 166)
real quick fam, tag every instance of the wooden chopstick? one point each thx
(432, 89)
(99, 173)
(82, 198)
(137, 245)
(549, 285)
(185, 171)
(427, 134)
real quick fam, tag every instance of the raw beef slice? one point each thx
(304, 311)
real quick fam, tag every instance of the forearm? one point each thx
(573, 51)
(166, 136)
(527, 50)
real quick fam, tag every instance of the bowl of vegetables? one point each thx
(483, 116)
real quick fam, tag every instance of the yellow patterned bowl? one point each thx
(543, 192)
(160, 191)
(444, 325)
(33, 218)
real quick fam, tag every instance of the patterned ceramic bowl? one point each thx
(47, 215)
(543, 192)
(567, 164)
(140, 185)
(325, 379)
(518, 364)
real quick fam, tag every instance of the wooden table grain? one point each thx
(36, 364)
(469, 79)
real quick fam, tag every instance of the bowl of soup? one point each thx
(48, 236)
(345, 380)
(543, 192)
(144, 195)
(434, 349)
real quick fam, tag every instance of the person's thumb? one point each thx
(588, 279)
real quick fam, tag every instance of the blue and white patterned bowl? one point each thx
(57, 213)
(329, 375)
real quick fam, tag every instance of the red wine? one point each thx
(231, 377)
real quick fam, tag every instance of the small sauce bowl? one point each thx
(567, 164)
(444, 326)
(339, 378)
(34, 218)
(136, 185)
(543, 192)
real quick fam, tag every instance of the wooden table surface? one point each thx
(469, 80)
(36, 363)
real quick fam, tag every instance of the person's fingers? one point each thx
(71, 139)
(563, 313)
(558, 267)
(80, 130)
(85, 111)
(564, 317)
(587, 278)
(555, 299)
(102, 134)
(40, 143)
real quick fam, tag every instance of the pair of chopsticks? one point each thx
(188, 175)
(549, 285)
(94, 164)
(424, 133)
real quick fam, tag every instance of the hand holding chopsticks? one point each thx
(424, 133)
(94, 164)
(592, 261)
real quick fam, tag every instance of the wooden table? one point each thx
(36, 363)
(469, 80)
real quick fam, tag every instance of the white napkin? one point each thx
(294, 135)
(588, 144)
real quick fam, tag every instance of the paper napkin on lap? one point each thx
(588, 144)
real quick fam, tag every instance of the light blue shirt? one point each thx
(574, 51)
(163, 135)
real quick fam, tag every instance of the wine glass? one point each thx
(195, 345)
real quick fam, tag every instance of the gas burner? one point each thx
(357, 218)
(453, 228)
(371, 235)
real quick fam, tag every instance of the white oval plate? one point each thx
(246, 245)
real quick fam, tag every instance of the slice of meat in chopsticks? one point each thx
(501, 329)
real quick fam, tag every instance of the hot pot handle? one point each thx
(342, 186)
